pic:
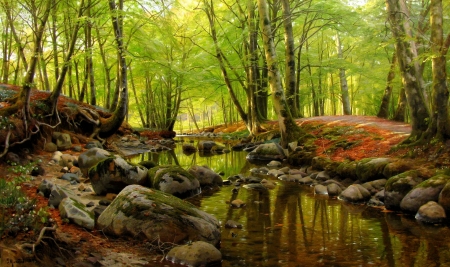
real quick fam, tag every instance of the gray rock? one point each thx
(189, 148)
(68, 161)
(90, 158)
(232, 224)
(70, 177)
(195, 254)
(237, 203)
(111, 175)
(322, 176)
(424, 192)
(334, 190)
(150, 214)
(274, 163)
(374, 186)
(431, 212)
(59, 193)
(76, 213)
(210, 146)
(50, 147)
(206, 176)
(267, 152)
(355, 193)
(275, 173)
(174, 180)
(56, 157)
(45, 187)
(93, 144)
(305, 180)
(268, 184)
(320, 190)
(290, 177)
(62, 140)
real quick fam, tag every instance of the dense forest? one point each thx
(184, 65)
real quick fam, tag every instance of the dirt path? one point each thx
(369, 121)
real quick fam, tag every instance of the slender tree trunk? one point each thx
(439, 125)
(219, 55)
(285, 120)
(400, 112)
(110, 125)
(343, 80)
(290, 77)
(53, 98)
(409, 68)
(136, 97)
(384, 107)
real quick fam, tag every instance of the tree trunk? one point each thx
(384, 107)
(409, 68)
(53, 98)
(110, 125)
(400, 112)
(219, 55)
(343, 80)
(439, 125)
(285, 120)
(290, 77)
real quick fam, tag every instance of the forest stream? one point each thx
(289, 226)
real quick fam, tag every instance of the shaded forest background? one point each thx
(186, 65)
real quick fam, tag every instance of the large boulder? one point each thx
(174, 180)
(371, 169)
(267, 152)
(444, 197)
(150, 214)
(206, 176)
(195, 254)
(398, 186)
(111, 175)
(424, 192)
(91, 157)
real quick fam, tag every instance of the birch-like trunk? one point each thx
(440, 119)
(346, 108)
(406, 51)
(288, 128)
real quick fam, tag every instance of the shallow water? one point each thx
(289, 226)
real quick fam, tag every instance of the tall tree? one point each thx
(343, 80)
(288, 128)
(290, 77)
(384, 107)
(406, 53)
(439, 125)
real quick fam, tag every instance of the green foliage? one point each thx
(18, 212)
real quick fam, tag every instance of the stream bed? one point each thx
(289, 226)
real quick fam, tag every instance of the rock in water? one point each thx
(195, 254)
(150, 214)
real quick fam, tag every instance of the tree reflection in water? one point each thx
(289, 226)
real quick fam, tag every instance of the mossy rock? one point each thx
(113, 174)
(424, 192)
(149, 214)
(444, 198)
(173, 179)
(347, 170)
(371, 169)
(320, 163)
(301, 158)
(398, 167)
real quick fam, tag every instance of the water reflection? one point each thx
(289, 226)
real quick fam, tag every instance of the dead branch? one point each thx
(38, 241)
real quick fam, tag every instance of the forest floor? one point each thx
(370, 137)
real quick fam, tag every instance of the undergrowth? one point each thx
(19, 213)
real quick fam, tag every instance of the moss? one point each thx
(155, 173)
(83, 208)
(160, 201)
(435, 181)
